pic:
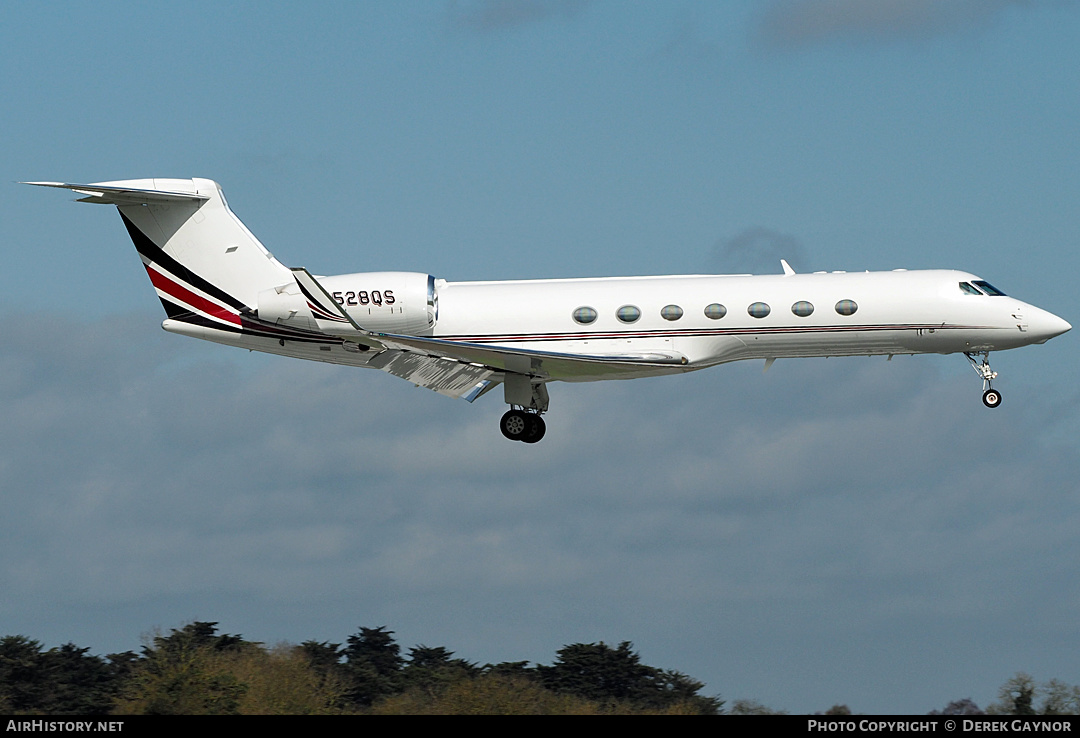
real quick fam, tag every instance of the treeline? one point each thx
(194, 670)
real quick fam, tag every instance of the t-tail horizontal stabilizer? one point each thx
(105, 193)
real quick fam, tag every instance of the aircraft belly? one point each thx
(704, 351)
(571, 369)
(830, 343)
(946, 341)
(601, 345)
(572, 373)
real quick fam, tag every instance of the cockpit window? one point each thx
(968, 289)
(989, 289)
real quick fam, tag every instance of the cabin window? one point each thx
(967, 289)
(715, 311)
(628, 314)
(846, 307)
(802, 308)
(671, 312)
(989, 289)
(585, 315)
(759, 310)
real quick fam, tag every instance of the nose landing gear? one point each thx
(991, 397)
(520, 425)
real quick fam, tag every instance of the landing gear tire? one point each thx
(536, 428)
(518, 425)
(991, 398)
(515, 425)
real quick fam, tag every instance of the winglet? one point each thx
(788, 271)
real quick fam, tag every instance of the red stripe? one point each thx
(183, 294)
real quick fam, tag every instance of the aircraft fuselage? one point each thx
(713, 319)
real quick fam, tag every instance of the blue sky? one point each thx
(854, 531)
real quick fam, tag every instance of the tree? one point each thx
(752, 707)
(21, 676)
(1018, 697)
(596, 671)
(79, 683)
(183, 674)
(60, 681)
(194, 636)
(432, 669)
(282, 681)
(195, 670)
(372, 665)
(959, 707)
(1060, 698)
(323, 655)
(519, 669)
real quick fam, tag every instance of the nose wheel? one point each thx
(991, 397)
(519, 425)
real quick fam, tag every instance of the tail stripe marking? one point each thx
(184, 295)
(320, 311)
(321, 314)
(152, 252)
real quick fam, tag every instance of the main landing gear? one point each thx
(521, 425)
(527, 397)
(991, 397)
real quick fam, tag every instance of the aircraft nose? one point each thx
(1045, 325)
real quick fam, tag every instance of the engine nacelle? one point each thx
(384, 302)
(286, 305)
(387, 302)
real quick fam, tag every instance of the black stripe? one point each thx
(199, 320)
(309, 296)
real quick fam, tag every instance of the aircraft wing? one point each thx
(446, 376)
(543, 364)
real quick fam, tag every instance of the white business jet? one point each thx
(462, 339)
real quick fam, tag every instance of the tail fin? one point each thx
(201, 259)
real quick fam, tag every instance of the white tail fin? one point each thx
(200, 257)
